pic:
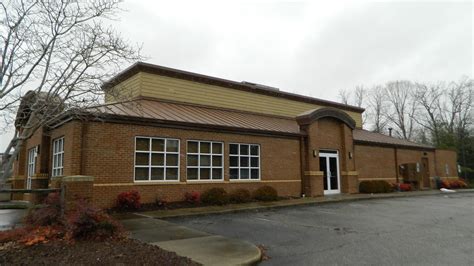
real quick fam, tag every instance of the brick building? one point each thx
(179, 131)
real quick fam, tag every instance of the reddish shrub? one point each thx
(88, 222)
(31, 235)
(161, 202)
(14, 234)
(405, 187)
(129, 200)
(47, 213)
(193, 197)
(453, 183)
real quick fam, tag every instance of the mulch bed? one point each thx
(123, 252)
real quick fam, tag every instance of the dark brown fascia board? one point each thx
(389, 145)
(178, 125)
(181, 74)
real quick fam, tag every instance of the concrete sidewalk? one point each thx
(230, 208)
(199, 246)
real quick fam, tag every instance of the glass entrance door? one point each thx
(329, 165)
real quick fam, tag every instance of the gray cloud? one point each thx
(312, 48)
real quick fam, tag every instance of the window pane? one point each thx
(216, 173)
(157, 174)
(254, 149)
(254, 161)
(171, 173)
(234, 161)
(157, 159)
(204, 173)
(171, 159)
(192, 147)
(205, 147)
(217, 148)
(216, 160)
(141, 173)
(244, 149)
(244, 161)
(158, 145)
(234, 149)
(244, 173)
(192, 160)
(254, 173)
(234, 173)
(142, 144)
(141, 159)
(192, 174)
(205, 160)
(172, 145)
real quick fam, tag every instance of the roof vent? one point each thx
(260, 86)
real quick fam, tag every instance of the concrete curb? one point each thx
(316, 202)
(199, 246)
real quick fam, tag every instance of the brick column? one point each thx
(316, 183)
(17, 182)
(350, 182)
(75, 187)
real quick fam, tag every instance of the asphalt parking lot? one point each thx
(428, 230)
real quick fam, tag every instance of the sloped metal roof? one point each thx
(200, 115)
(361, 135)
(196, 115)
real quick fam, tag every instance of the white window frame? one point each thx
(58, 157)
(250, 167)
(150, 166)
(31, 165)
(210, 167)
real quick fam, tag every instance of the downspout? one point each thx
(396, 164)
(83, 129)
(303, 163)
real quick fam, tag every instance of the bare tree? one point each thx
(345, 96)
(403, 107)
(59, 51)
(377, 108)
(429, 98)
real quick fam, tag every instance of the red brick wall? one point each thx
(108, 155)
(72, 133)
(374, 162)
(448, 157)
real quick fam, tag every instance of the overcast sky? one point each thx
(313, 48)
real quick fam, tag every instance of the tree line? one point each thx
(440, 114)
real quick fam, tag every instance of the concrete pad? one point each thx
(144, 223)
(214, 250)
(166, 233)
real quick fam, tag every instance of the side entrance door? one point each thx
(426, 172)
(329, 164)
(31, 167)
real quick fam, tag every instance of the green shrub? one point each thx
(265, 193)
(375, 186)
(240, 195)
(215, 196)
